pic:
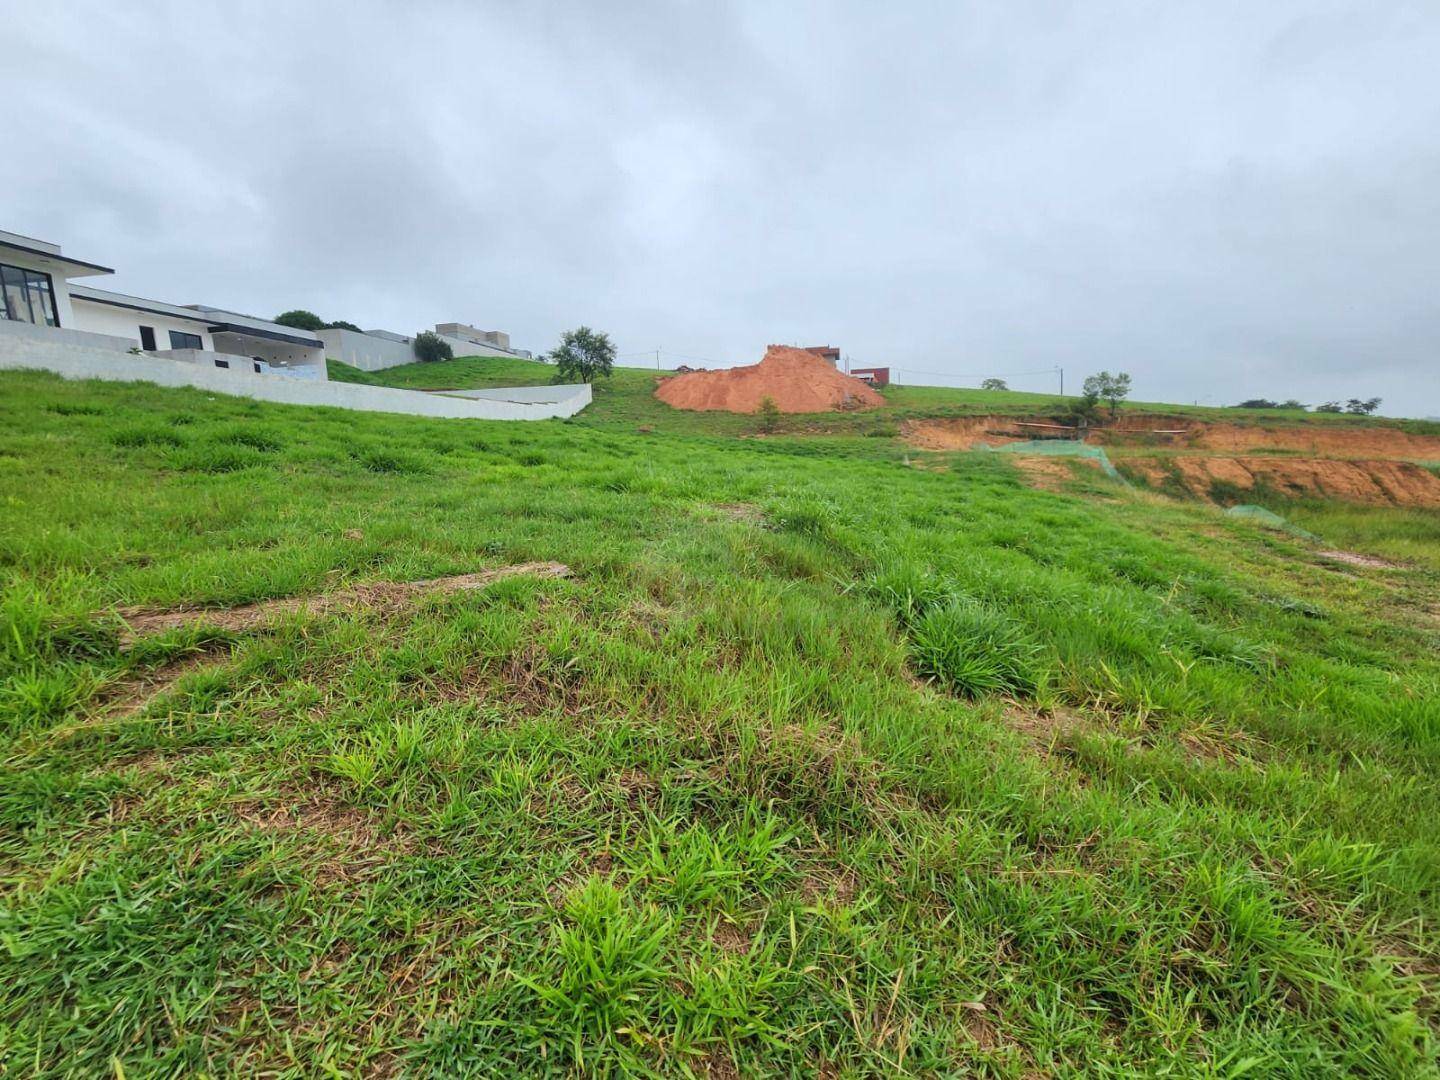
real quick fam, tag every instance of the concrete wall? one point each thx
(78, 355)
(366, 352)
(369, 352)
(126, 323)
(297, 361)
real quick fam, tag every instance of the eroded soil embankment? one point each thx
(1373, 482)
(1320, 439)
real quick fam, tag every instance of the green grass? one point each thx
(820, 763)
(626, 401)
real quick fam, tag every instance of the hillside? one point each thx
(365, 744)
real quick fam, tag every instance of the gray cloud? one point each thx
(1226, 199)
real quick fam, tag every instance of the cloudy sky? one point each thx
(1225, 199)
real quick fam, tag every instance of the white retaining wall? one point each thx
(371, 353)
(75, 354)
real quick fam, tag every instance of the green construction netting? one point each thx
(1056, 448)
(1269, 518)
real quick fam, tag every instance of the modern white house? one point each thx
(48, 322)
(40, 298)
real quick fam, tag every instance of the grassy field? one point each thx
(626, 400)
(826, 759)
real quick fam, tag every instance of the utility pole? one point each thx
(657, 359)
(1061, 370)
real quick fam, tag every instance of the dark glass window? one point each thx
(27, 296)
(147, 338)
(181, 340)
(221, 363)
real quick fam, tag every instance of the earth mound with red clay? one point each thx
(796, 380)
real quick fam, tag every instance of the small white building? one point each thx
(39, 300)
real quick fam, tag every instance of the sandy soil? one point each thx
(797, 381)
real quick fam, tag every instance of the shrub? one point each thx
(769, 414)
(974, 650)
(430, 347)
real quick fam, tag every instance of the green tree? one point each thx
(430, 346)
(301, 319)
(1111, 389)
(341, 324)
(584, 354)
(994, 384)
(1330, 407)
(1362, 408)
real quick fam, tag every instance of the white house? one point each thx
(39, 299)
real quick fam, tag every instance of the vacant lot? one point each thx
(774, 756)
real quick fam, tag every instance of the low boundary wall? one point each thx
(71, 355)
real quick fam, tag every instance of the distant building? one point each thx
(828, 353)
(498, 339)
(875, 376)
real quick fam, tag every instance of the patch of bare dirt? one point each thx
(797, 381)
(1365, 444)
(731, 938)
(1045, 727)
(1050, 473)
(1370, 482)
(383, 595)
(1354, 558)
(1319, 439)
(743, 512)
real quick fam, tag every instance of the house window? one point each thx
(147, 338)
(27, 296)
(221, 363)
(181, 340)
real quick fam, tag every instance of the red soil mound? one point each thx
(797, 381)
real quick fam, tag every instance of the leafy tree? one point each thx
(769, 414)
(1257, 403)
(1291, 403)
(301, 319)
(584, 354)
(1362, 408)
(430, 346)
(994, 384)
(1109, 388)
(1330, 407)
(341, 324)
(1084, 410)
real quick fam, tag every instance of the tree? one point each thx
(1362, 408)
(994, 384)
(341, 324)
(584, 354)
(1109, 388)
(1291, 403)
(1257, 403)
(1329, 407)
(1084, 410)
(430, 346)
(301, 320)
(769, 414)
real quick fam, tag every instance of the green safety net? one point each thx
(1056, 448)
(1270, 519)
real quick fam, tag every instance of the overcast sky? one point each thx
(1225, 199)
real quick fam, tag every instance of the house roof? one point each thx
(215, 320)
(48, 256)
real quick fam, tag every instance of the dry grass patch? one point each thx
(378, 596)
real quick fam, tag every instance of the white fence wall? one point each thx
(370, 353)
(76, 354)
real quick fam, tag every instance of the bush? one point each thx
(974, 650)
(769, 414)
(301, 319)
(430, 347)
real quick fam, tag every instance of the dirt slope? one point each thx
(798, 381)
(1372, 482)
